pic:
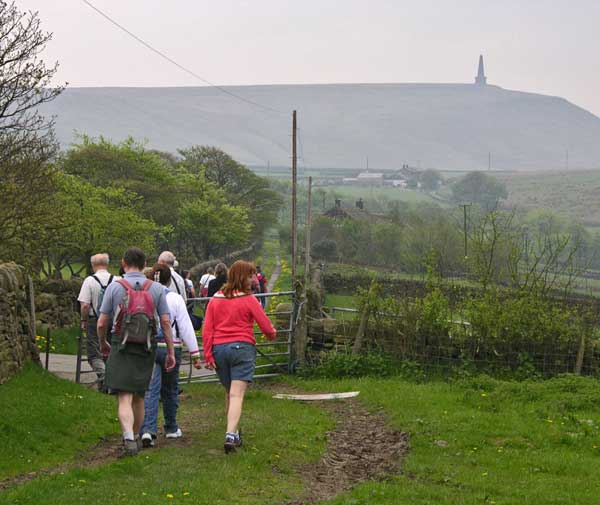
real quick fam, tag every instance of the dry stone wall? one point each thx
(56, 302)
(17, 335)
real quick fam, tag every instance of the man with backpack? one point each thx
(177, 283)
(135, 304)
(90, 299)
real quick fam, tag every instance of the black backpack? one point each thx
(101, 297)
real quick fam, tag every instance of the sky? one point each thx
(541, 46)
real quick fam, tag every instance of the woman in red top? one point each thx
(229, 344)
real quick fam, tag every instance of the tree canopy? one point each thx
(479, 188)
(27, 180)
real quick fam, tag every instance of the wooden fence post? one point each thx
(364, 318)
(301, 329)
(35, 352)
(580, 354)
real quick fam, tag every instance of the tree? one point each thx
(25, 84)
(27, 181)
(431, 179)
(241, 185)
(209, 225)
(479, 188)
(94, 219)
(325, 248)
(28, 212)
(129, 166)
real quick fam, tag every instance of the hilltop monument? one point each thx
(481, 79)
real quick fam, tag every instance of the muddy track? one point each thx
(361, 447)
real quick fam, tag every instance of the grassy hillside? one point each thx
(573, 195)
(446, 126)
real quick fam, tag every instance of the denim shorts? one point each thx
(235, 362)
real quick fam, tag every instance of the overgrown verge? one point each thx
(519, 336)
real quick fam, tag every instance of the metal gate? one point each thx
(273, 358)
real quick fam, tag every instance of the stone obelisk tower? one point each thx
(481, 79)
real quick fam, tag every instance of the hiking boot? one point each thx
(175, 434)
(147, 440)
(232, 442)
(130, 448)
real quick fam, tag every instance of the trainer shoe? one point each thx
(130, 447)
(147, 440)
(175, 434)
(232, 442)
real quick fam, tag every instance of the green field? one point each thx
(374, 197)
(573, 195)
(344, 301)
(477, 441)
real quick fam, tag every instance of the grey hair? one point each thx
(221, 269)
(167, 257)
(100, 259)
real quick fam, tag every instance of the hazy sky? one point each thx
(544, 46)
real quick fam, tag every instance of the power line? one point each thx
(181, 67)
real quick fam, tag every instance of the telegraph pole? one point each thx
(308, 224)
(464, 206)
(489, 161)
(294, 182)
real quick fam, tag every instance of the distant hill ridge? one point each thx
(446, 126)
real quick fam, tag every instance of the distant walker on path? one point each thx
(90, 298)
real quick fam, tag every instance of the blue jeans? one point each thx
(164, 386)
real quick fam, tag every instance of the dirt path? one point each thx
(273, 279)
(275, 275)
(361, 447)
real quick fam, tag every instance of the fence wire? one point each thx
(456, 348)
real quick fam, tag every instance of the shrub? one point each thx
(326, 249)
(336, 364)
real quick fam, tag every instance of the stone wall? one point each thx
(347, 284)
(17, 335)
(56, 302)
(245, 254)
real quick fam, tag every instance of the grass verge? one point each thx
(278, 438)
(46, 421)
(486, 442)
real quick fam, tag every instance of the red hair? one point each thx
(239, 272)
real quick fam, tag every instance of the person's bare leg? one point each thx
(138, 413)
(125, 412)
(236, 399)
(226, 403)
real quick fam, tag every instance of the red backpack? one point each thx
(135, 323)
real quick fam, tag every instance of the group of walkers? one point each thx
(137, 324)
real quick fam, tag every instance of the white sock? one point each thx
(128, 435)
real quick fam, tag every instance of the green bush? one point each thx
(508, 335)
(334, 365)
